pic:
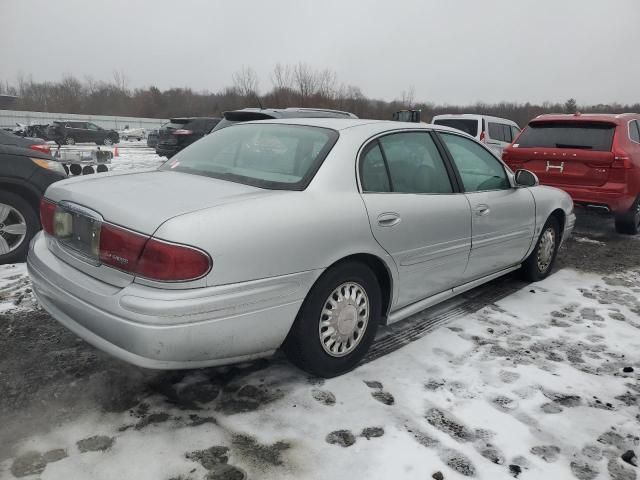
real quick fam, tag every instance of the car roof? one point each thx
(472, 116)
(190, 119)
(341, 124)
(297, 112)
(617, 118)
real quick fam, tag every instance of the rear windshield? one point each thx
(467, 126)
(584, 135)
(175, 124)
(273, 156)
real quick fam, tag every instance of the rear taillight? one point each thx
(47, 213)
(169, 262)
(41, 147)
(622, 161)
(133, 252)
(482, 137)
(181, 131)
(120, 248)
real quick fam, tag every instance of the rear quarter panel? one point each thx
(277, 235)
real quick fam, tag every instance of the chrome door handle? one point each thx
(388, 219)
(482, 210)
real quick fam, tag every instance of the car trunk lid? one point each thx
(167, 135)
(138, 202)
(568, 153)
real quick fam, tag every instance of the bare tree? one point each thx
(245, 82)
(120, 80)
(282, 78)
(305, 80)
(408, 97)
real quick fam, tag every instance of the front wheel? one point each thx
(539, 263)
(337, 321)
(628, 223)
(108, 141)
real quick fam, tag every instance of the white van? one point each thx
(496, 133)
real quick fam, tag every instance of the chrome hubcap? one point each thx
(344, 319)
(546, 249)
(13, 229)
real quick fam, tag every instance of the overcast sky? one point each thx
(450, 51)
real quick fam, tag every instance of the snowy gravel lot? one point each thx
(538, 382)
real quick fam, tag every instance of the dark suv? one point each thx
(70, 133)
(182, 132)
(251, 114)
(25, 174)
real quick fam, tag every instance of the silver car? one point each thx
(304, 234)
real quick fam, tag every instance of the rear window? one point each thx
(500, 131)
(272, 156)
(175, 123)
(467, 126)
(584, 135)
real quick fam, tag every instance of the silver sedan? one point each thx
(304, 234)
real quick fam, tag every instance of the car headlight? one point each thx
(50, 165)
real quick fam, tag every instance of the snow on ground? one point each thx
(536, 386)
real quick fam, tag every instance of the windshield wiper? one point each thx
(567, 145)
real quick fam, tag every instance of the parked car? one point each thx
(496, 133)
(37, 144)
(594, 158)
(70, 133)
(133, 133)
(24, 176)
(301, 233)
(179, 133)
(249, 114)
(152, 138)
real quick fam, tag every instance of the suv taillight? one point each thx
(41, 147)
(621, 161)
(482, 137)
(182, 131)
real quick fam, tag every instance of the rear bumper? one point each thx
(167, 150)
(169, 329)
(614, 197)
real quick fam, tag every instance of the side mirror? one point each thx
(525, 178)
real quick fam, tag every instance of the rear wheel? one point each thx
(70, 141)
(108, 141)
(629, 223)
(337, 321)
(540, 262)
(18, 224)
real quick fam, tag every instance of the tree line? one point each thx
(297, 85)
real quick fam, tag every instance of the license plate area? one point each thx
(78, 230)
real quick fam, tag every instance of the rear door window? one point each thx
(596, 136)
(496, 132)
(414, 163)
(465, 125)
(514, 133)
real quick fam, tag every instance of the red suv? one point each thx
(595, 158)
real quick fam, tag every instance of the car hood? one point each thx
(142, 201)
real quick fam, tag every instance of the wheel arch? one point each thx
(29, 193)
(382, 272)
(561, 217)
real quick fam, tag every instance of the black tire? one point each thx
(629, 223)
(87, 170)
(303, 346)
(102, 168)
(531, 268)
(19, 254)
(75, 169)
